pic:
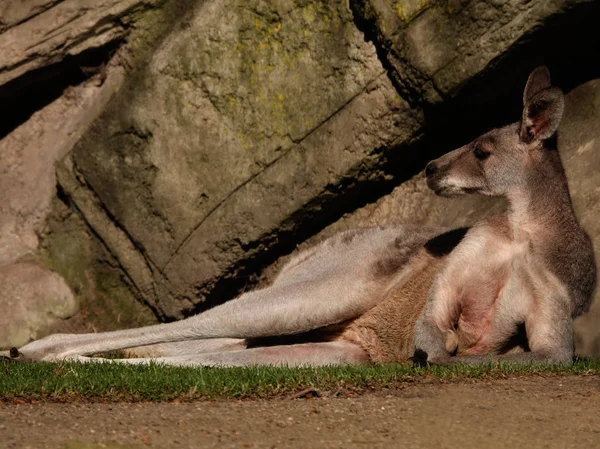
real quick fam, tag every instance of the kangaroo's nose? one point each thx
(431, 169)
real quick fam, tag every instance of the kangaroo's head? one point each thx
(504, 158)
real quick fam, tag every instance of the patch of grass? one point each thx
(72, 381)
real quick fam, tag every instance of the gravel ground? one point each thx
(525, 412)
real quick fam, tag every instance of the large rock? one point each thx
(413, 202)
(579, 142)
(28, 155)
(27, 188)
(240, 123)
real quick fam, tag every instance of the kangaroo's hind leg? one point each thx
(306, 354)
(277, 310)
(178, 348)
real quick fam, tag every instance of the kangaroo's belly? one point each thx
(479, 305)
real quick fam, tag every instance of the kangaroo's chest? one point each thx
(486, 281)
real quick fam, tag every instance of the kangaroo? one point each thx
(506, 289)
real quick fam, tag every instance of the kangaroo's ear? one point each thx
(543, 107)
(538, 80)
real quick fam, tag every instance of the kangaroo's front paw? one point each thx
(419, 359)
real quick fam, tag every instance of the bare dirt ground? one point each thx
(526, 412)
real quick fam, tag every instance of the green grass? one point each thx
(71, 381)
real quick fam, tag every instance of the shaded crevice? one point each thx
(64, 196)
(408, 85)
(109, 259)
(364, 184)
(23, 96)
(566, 43)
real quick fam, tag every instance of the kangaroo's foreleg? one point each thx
(277, 310)
(549, 332)
(306, 354)
(549, 336)
(435, 335)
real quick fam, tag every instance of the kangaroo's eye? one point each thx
(480, 154)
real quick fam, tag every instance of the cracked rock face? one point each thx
(50, 96)
(37, 33)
